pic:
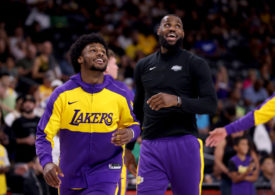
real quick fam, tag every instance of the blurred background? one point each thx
(236, 37)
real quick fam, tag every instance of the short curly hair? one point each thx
(80, 44)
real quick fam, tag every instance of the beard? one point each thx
(27, 110)
(94, 68)
(164, 43)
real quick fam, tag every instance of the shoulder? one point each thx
(234, 158)
(120, 84)
(67, 86)
(147, 60)
(119, 88)
(193, 58)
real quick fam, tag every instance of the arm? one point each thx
(218, 156)
(258, 116)
(235, 176)
(47, 128)
(35, 71)
(30, 140)
(140, 93)
(273, 180)
(206, 102)
(253, 177)
(4, 107)
(256, 168)
(128, 126)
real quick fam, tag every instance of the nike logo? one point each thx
(72, 102)
(152, 68)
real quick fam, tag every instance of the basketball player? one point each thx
(95, 120)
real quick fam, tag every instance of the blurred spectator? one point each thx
(34, 183)
(7, 95)
(45, 63)
(251, 79)
(12, 116)
(9, 67)
(262, 139)
(222, 83)
(45, 89)
(18, 44)
(270, 87)
(4, 166)
(222, 154)
(4, 47)
(25, 129)
(255, 94)
(37, 15)
(266, 168)
(242, 169)
(25, 65)
(65, 66)
(112, 67)
(235, 99)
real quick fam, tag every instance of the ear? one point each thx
(235, 148)
(158, 31)
(183, 34)
(80, 60)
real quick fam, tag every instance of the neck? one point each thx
(164, 50)
(28, 115)
(92, 77)
(268, 175)
(241, 156)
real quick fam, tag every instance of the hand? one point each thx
(130, 162)
(122, 136)
(251, 167)
(30, 140)
(216, 137)
(162, 100)
(273, 186)
(21, 169)
(50, 174)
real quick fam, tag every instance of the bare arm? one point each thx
(218, 154)
(253, 177)
(238, 177)
(30, 140)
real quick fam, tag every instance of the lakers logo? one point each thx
(80, 117)
(139, 180)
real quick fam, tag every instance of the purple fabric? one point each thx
(43, 146)
(115, 88)
(241, 124)
(99, 189)
(85, 158)
(243, 187)
(125, 87)
(246, 121)
(172, 159)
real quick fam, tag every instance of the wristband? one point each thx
(178, 101)
(133, 132)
